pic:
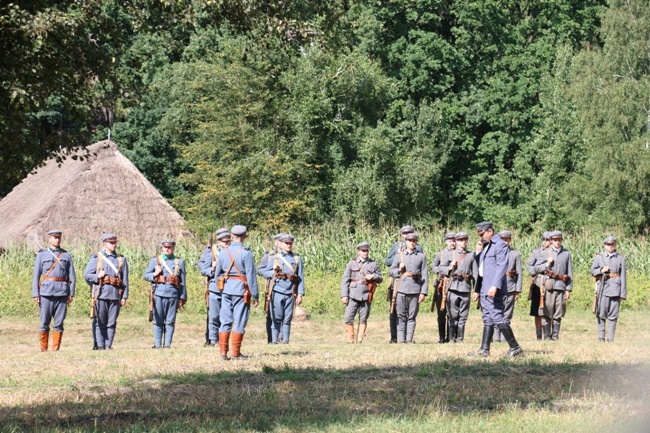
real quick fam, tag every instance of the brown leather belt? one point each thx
(414, 276)
(113, 281)
(608, 276)
(511, 273)
(238, 278)
(61, 280)
(173, 280)
(554, 276)
(461, 277)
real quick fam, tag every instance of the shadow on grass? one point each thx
(285, 398)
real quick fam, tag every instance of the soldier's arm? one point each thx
(148, 273)
(263, 264)
(345, 281)
(425, 276)
(205, 263)
(391, 255)
(251, 275)
(530, 264)
(376, 273)
(36, 276)
(301, 275)
(90, 274)
(125, 279)
(72, 277)
(596, 266)
(518, 270)
(501, 255)
(623, 279)
(183, 275)
(268, 270)
(394, 267)
(569, 287)
(435, 263)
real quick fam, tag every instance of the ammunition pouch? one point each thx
(511, 273)
(461, 277)
(564, 278)
(113, 281)
(221, 283)
(173, 280)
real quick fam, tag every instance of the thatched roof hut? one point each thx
(92, 191)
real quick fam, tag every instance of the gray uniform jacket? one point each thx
(167, 290)
(395, 248)
(614, 286)
(440, 264)
(514, 264)
(108, 291)
(461, 278)
(562, 264)
(352, 284)
(246, 265)
(537, 257)
(50, 284)
(416, 264)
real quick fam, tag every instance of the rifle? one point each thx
(93, 300)
(395, 283)
(207, 279)
(597, 294)
(151, 293)
(372, 286)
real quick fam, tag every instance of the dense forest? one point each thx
(527, 112)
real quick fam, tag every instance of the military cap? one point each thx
(484, 225)
(450, 236)
(406, 229)
(505, 234)
(221, 230)
(411, 236)
(556, 234)
(609, 240)
(286, 238)
(363, 245)
(107, 236)
(546, 235)
(239, 230)
(168, 242)
(462, 235)
(223, 235)
(278, 236)
(54, 232)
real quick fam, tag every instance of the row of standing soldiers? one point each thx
(231, 284)
(457, 273)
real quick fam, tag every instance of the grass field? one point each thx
(319, 383)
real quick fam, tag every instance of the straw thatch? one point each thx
(90, 193)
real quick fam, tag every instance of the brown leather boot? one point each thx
(237, 339)
(56, 340)
(44, 337)
(223, 345)
(349, 331)
(361, 332)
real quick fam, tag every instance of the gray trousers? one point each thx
(608, 309)
(281, 315)
(164, 319)
(53, 308)
(407, 310)
(554, 306)
(107, 313)
(363, 307)
(508, 313)
(457, 308)
(214, 309)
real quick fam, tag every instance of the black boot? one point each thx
(488, 332)
(442, 331)
(460, 333)
(556, 331)
(453, 332)
(546, 328)
(515, 349)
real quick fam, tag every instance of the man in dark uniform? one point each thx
(440, 268)
(166, 272)
(286, 270)
(462, 271)
(207, 266)
(394, 250)
(238, 282)
(359, 282)
(537, 257)
(608, 268)
(492, 259)
(514, 277)
(411, 276)
(108, 273)
(53, 288)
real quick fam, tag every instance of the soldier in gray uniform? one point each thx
(514, 279)
(53, 288)
(166, 272)
(394, 250)
(267, 286)
(492, 258)
(207, 265)
(286, 271)
(442, 259)
(108, 273)
(537, 257)
(608, 268)
(358, 286)
(462, 272)
(409, 270)
(238, 282)
(556, 283)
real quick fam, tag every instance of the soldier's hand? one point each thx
(549, 261)
(299, 300)
(101, 274)
(370, 277)
(214, 264)
(344, 300)
(621, 298)
(69, 299)
(256, 303)
(492, 292)
(402, 267)
(566, 295)
(479, 246)
(122, 302)
(604, 269)
(454, 263)
(474, 297)
(157, 271)
(181, 302)
(421, 298)
(516, 296)
(37, 299)
(278, 268)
